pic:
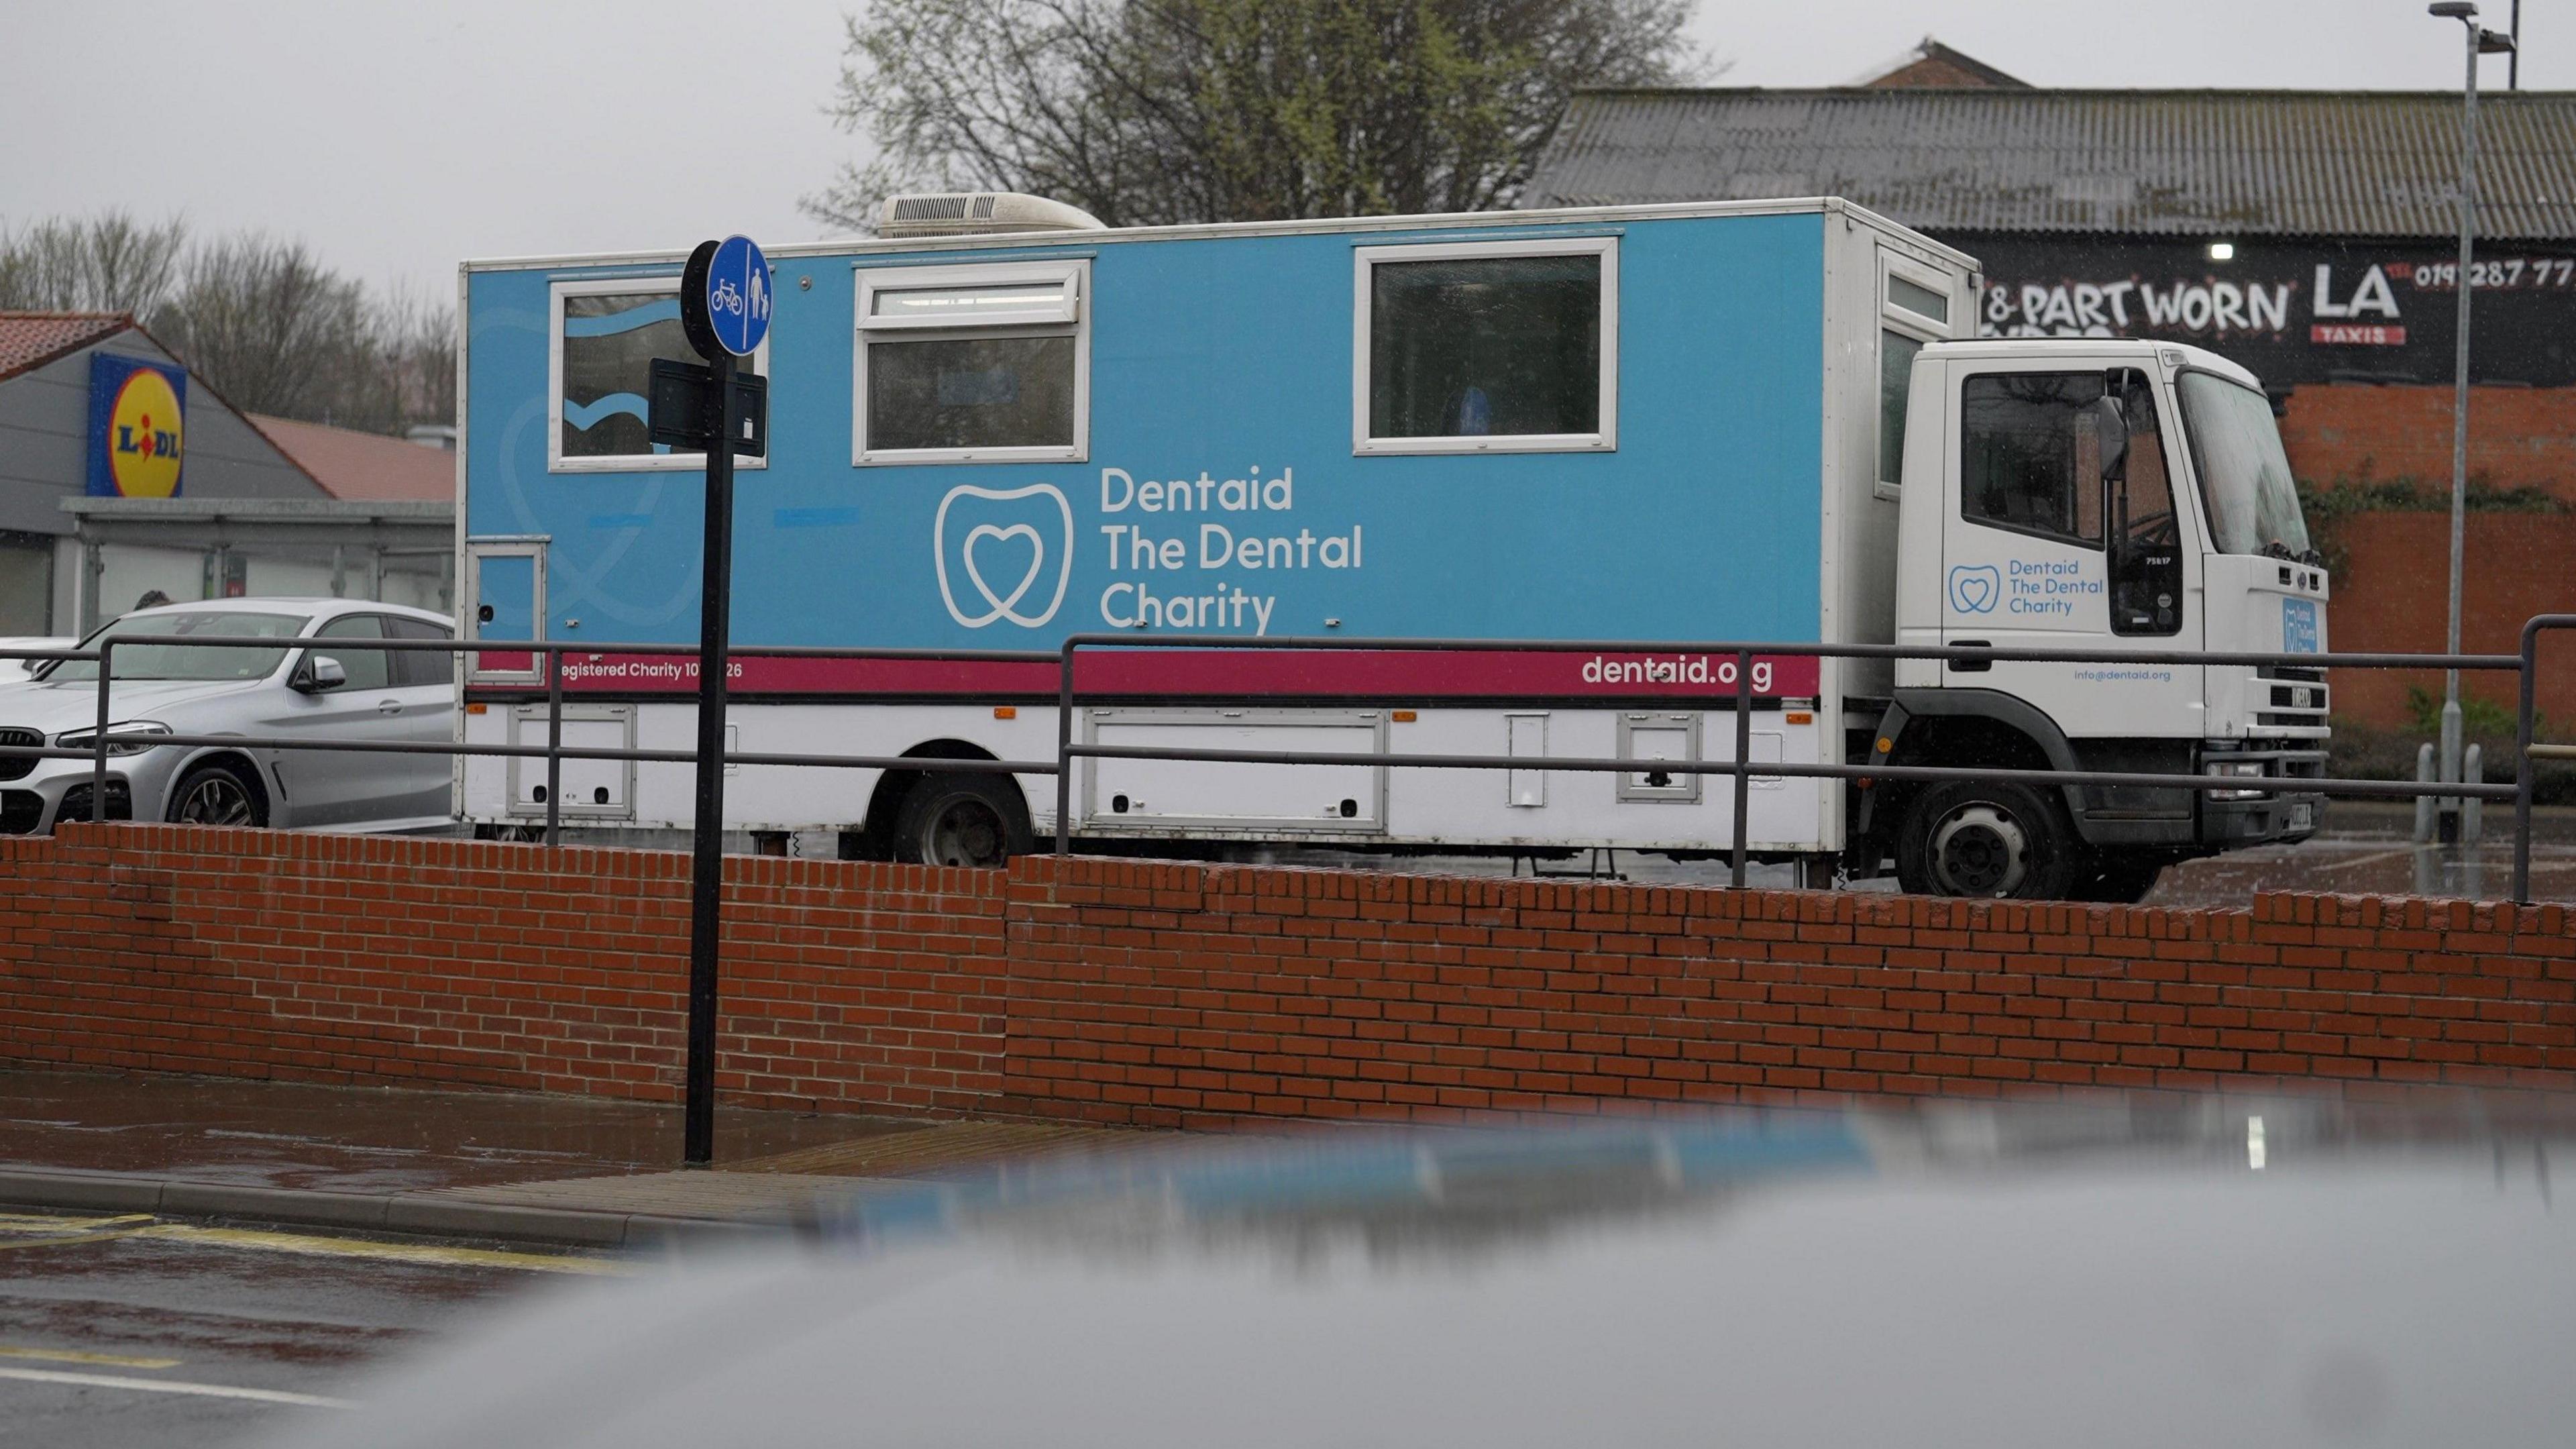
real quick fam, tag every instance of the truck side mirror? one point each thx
(2111, 431)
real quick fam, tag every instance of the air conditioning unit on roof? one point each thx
(974, 213)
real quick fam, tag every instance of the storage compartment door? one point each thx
(592, 789)
(1338, 799)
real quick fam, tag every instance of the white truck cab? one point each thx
(2129, 497)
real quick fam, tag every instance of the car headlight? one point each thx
(80, 739)
(2235, 769)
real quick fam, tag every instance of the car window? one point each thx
(181, 661)
(420, 666)
(367, 668)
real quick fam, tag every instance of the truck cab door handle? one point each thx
(1971, 666)
(389, 706)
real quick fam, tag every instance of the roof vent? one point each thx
(976, 213)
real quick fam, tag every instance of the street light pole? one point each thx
(2480, 41)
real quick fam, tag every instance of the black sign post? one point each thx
(711, 409)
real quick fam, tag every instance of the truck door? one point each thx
(505, 599)
(2062, 532)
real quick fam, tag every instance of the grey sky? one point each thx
(399, 138)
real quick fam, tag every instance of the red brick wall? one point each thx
(1198, 995)
(1194, 995)
(2518, 436)
(2392, 589)
(452, 963)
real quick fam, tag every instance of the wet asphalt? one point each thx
(159, 1337)
(358, 1139)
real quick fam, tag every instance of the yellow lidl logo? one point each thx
(137, 427)
(144, 429)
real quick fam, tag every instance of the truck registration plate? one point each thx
(2303, 816)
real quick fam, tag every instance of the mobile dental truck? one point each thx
(999, 424)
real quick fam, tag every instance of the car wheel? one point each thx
(2002, 840)
(217, 795)
(977, 820)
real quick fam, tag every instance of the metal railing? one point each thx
(1742, 768)
(101, 746)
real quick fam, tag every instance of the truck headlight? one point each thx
(80, 739)
(2235, 769)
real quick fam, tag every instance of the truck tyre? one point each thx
(1971, 838)
(2120, 880)
(977, 820)
(217, 794)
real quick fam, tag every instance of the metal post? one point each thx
(2524, 711)
(2473, 771)
(2460, 409)
(2427, 771)
(2513, 66)
(93, 568)
(706, 869)
(1063, 757)
(1743, 756)
(98, 742)
(554, 747)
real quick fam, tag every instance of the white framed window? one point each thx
(1486, 347)
(972, 364)
(602, 337)
(1914, 305)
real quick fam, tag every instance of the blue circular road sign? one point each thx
(739, 289)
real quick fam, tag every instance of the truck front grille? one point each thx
(2289, 696)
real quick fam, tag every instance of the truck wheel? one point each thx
(217, 795)
(1969, 838)
(2120, 880)
(977, 820)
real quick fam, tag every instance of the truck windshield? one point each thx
(180, 661)
(2244, 476)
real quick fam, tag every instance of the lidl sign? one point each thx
(137, 427)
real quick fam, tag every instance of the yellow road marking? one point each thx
(39, 1223)
(144, 1225)
(171, 1386)
(69, 1239)
(426, 1253)
(73, 1355)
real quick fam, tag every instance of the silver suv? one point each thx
(319, 681)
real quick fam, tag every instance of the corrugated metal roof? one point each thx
(2202, 163)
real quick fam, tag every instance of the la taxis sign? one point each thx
(137, 427)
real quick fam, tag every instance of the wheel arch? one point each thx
(875, 835)
(275, 804)
(1983, 727)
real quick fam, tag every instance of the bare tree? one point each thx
(266, 324)
(260, 319)
(108, 263)
(1156, 111)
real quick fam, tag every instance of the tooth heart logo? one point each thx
(1975, 587)
(995, 548)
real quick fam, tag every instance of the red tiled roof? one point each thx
(364, 466)
(32, 339)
